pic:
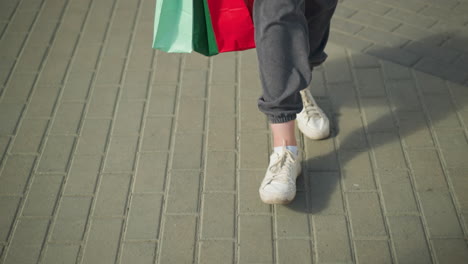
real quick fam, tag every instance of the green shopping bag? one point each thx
(206, 26)
(204, 40)
(173, 26)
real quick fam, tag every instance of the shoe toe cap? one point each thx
(277, 192)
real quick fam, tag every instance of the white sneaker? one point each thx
(279, 184)
(312, 121)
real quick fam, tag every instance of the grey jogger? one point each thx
(291, 36)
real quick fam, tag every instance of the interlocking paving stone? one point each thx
(183, 192)
(409, 239)
(218, 215)
(42, 195)
(30, 136)
(222, 133)
(251, 143)
(356, 170)
(121, 154)
(141, 252)
(188, 151)
(16, 173)
(450, 250)
(249, 182)
(397, 192)
(112, 195)
(113, 152)
(220, 167)
(255, 237)
(144, 216)
(366, 216)
(222, 100)
(439, 212)
(83, 174)
(103, 241)
(27, 240)
(373, 251)
(59, 253)
(325, 194)
(332, 239)
(151, 172)
(216, 251)
(178, 241)
(294, 251)
(71, 219)
(291, 222)
(8, 209)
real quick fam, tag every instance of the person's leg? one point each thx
(312, 121)
(283, 134)
(318, 14)
(282, 48)
(290, 36)
(282, 38)
(282, 41)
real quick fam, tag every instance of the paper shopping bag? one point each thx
(173, 26)
(232, 24)
(204, 40)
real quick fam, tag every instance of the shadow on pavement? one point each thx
(320, 186)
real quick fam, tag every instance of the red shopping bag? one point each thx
(232, 24)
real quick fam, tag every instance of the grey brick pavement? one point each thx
(111, 152)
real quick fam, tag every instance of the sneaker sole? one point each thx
(277, 201)
(281, 201)
(314, 136)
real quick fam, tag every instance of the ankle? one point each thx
(293, 149)
(280, 143)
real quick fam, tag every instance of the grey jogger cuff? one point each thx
(281, 118)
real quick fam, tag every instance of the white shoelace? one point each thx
(310, 107)
(281, 167)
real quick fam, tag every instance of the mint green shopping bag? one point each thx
(173, 26)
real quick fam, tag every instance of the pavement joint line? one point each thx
(436, 242)
(108, 217)
(79, 195)
(304, 238)
(36, 217)
(377, 175)
(337, 146)
(204, 158)
(97, 68)
(372, 156)
(443, 164)
(48, 133)
(457, 107)
(7, 21)
(187, 170)
(147, 193)
(11, 195)
(141, 132)
(153, 151)
(237, 170)
(372, 238)
(23, 44)
(411, 176)
(167, 180)
(66, 242)
(36, 161)
(206, 239)
(196, 215)
(219, 192)
(141, 240)
(361, 191)
(139, 140)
